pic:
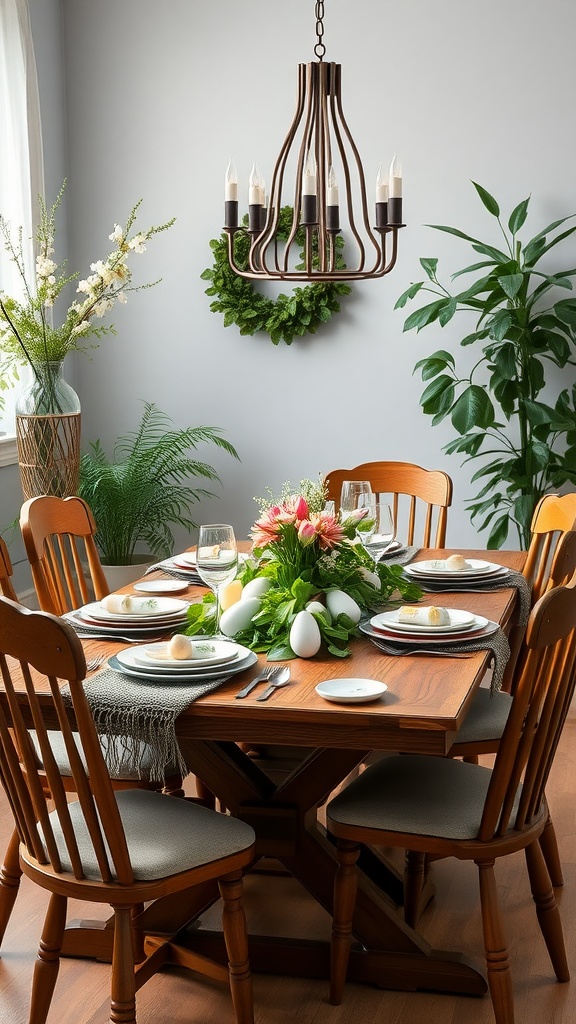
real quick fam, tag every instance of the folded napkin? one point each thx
(142, 715)
(125, 604)
(496, 642)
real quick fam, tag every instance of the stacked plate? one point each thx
(155, 615)
(463, 625)
(438, 571)
(152, 662)
(380, 550)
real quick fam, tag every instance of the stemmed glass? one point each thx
(384, 527)
(216, 560)
(357, 494)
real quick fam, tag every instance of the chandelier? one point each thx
(320, 170)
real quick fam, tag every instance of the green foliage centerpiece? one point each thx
(306, 564)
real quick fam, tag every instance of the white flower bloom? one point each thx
(137, 244)
(117, 234)
(83, 286)
(44, 266)
(122, 297)
(49, 301)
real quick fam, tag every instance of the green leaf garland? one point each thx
(288, 316)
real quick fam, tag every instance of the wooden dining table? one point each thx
(230, 744)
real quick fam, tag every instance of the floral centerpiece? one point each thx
(307, 582)
(27, 332)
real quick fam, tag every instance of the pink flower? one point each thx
(356, 515)
(306, 533)
(301, 509)
(329, 532)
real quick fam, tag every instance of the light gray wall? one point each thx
(158, 97)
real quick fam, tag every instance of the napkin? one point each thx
(125, 604)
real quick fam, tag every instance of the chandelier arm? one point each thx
(269, 234)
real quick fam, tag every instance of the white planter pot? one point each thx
(119, 576)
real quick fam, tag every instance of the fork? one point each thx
(279, 678)
(265, 674)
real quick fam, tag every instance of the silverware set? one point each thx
(276, 677)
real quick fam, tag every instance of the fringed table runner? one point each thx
(142, 715)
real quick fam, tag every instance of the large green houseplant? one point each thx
(504, 410)
(142, 490)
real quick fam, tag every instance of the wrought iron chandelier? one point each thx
(328, 186)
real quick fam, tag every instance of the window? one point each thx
(21, 166)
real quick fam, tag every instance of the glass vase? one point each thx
(48, 434)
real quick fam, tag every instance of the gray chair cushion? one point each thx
(433, 796)
(165, 835)
(124, 755)
(486, 718)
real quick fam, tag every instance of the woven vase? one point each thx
(48, 434)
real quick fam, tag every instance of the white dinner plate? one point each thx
(437, 567)
(157, 654)
(485, 627)
(161, 586)
(351, 691)
(459, 621)
(125, 661)
(160, 608)
(380, 551)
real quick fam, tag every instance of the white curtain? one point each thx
(21, 161)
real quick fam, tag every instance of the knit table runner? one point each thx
(142, 715)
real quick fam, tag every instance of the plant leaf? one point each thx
(472, 409)
(518, 216)
(488, 200)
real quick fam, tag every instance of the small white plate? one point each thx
(158, 609)
(351, 691)
(125, 661)
(437, 567)
(157, 655)
(161, 586)
(459, 622)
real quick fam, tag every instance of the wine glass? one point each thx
(216, 559)
(384, 527)
(350, 494)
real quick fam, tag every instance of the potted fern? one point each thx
(141, 491)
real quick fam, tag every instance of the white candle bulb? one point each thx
(395, 179)
(262, 191)
(332, 196)
(231, 183)
(381, 187)
(309, 183)
(254, 197)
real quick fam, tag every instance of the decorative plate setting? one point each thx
(460, 621)
(351, 691)
(158, 655)
(437, 568)
(161, 586)
(126, 661)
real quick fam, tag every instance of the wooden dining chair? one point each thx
(450, 808)
(6, 571)
(554, 515)
(58, 535)
(121, 848)
(420, 498)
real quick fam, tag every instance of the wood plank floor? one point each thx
(452, 921)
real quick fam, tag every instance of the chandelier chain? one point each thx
(319, 48)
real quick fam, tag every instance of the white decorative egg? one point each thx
(256, 587)
(340, 603)
(180, 647)
(317, 608)
(305, 638)
(239, 616)
(230, 594)
(371, 577)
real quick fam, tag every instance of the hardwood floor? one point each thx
(451, 921)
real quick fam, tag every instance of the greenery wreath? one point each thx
(288, 316)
